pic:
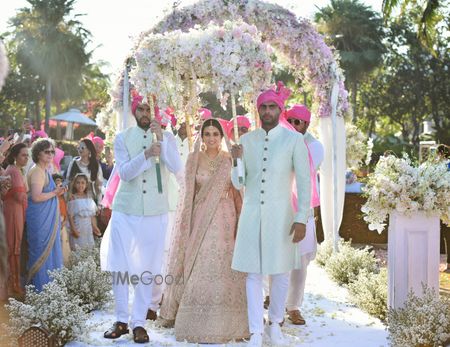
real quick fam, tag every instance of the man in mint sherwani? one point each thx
(132, 248)
(268, 228)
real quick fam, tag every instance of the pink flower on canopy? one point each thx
(277, 94)
(237, 32)
(204, 113)
(221, 33)
(300, 112)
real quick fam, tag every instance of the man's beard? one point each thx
(142, 125)
(272, 121)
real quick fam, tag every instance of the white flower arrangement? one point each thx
(359, 147)
(423, 321)
(53, 308)
(296, 41)
(228, 59)
(397, 185)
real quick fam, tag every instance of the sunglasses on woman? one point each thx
(295, 121)
(80, 148)
(49, 151)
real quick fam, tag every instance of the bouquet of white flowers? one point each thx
(359, 147)
(397, 185)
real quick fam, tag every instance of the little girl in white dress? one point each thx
(81, 211)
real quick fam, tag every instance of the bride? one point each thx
(206, 300)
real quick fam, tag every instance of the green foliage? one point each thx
(413, 86)
(355, 31)
(369, 292)
(431, 14)
(47, 48)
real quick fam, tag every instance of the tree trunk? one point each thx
(37, 111)
(354, 92)
(48, 103)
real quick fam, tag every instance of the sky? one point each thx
(114, 23)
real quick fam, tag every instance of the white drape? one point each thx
(327, 207)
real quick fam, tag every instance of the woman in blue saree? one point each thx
(42, 217)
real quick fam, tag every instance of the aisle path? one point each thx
(331, 322)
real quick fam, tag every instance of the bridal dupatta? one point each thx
(187, 241)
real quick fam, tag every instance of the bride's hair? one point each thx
(214, 123)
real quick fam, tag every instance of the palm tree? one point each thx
(53, 46)
(433, 12)
(356, 32)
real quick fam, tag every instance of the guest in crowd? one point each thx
(82, 210)
(14, 207)
(65, 245)
(87, 163)
(42, 216)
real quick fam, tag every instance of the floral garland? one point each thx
(4, 67)
(228, 59)
(295, 40)
(396, 185)
(359, 148)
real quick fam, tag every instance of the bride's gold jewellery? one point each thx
(213, 163)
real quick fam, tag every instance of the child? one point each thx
(65, 246)
(82, 211)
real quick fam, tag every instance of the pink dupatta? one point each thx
(315, 200)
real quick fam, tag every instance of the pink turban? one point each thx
(95, 139)
(204, 113)
(98, 140)
(39, 134)
(225, 125)
(137, 99)
(299, 111)
(242, 121)
(278, 95)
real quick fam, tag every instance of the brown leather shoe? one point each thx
(117, 330)
(296, 317)
(151, 315)
(140, 335)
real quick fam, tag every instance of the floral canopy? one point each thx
(295, 43)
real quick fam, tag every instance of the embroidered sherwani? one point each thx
(134, 240)
(271, 161)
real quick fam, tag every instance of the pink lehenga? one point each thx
(207, 299)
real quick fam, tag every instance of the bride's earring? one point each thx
(203, 147)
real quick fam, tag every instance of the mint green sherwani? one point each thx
(271, 161)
